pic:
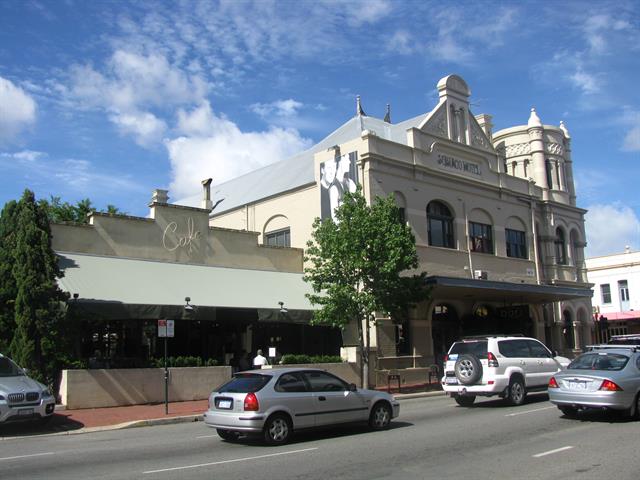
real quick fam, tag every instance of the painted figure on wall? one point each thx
(337, 176)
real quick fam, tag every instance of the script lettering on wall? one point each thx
(172, 239)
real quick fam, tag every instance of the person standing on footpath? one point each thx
(259, 361)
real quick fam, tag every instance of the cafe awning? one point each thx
(114, 287)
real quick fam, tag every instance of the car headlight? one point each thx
(46, 393)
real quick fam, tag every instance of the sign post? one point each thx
(166, 330)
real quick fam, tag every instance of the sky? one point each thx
(109, 100)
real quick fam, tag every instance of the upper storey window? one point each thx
(481, 237)
(516, 243)
(278, 238)
(549, 171)
(561, 247)
(440, 225)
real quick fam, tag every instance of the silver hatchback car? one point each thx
(606, 377)
(21, 397)
(276, 402)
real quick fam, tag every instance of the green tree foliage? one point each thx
(361, 264)
(37, 341)
(59, 211)
(8, 290)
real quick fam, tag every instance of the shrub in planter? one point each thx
(292, 359)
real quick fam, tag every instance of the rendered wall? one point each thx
(138, 386)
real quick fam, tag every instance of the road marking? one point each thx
(550, 452)
(206, 436)
(229, 461)
(27, 456)
(528, 411)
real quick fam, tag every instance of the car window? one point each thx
(638, 362)
(291, 382)
(514, 348)
(245, 383)
(325, 382)
(9, 369)
(599, 361)
(478, 348)
(538, 350)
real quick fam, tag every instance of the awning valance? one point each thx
(509, 292)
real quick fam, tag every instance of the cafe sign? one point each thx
(174, 238)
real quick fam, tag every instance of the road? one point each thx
(433, 438)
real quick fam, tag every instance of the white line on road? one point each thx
(528, 411)
(206, 436)
(550, 452)
(229, 461)
(27, 456)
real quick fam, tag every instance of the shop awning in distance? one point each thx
(509, 292)
(113, 287)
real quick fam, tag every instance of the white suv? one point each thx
(507, 366)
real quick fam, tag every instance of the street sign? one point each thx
(166, 328)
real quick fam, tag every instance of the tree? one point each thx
(356, 265)
(37, 343)
(59, 211)
(7, 281)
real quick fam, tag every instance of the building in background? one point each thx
(616, 293)
(494, 214)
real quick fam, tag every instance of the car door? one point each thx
(517, 355)
(334, 401)
(294, 393)
(543, 363)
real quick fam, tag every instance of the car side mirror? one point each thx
(554, 353)
(352, 387)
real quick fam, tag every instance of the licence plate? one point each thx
(577, 385)
(224, 404)
(451, 381)
(25, 411)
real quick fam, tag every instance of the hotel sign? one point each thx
(453, 163)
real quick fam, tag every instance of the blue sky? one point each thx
(111, 99)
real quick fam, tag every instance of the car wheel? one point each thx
(569, 412)
(380, 416)
(228, 435)
(465, 400)
(277, 429)
(634, 411)
(516, 392)
(468, 369)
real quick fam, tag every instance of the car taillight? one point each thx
(492, 360)
(609, 386)
(553, 383)
(251, 402)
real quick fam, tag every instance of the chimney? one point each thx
(160, 196)
(207, 204)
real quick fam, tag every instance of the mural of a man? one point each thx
(337, 176)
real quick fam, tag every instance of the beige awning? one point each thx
(113, 281)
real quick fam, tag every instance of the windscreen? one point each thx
(599, 361)
(245, 383)
(477, 348)
(9, 369)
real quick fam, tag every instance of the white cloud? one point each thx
(610, 228)
(145, 127)
(586, 82)
(401, 42)
(597, 28)
(17, 111)
(217, 148)
(133, 90)
(631, 120)
(280, 108)
(78, 175)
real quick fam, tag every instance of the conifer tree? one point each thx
(39, 314)
(7, 281)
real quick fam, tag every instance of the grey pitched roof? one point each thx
(297, 171)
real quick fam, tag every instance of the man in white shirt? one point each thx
(259, 360)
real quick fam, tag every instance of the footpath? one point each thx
(68, 422)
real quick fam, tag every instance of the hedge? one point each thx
(292, 359)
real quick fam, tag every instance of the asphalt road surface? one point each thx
(432, 439)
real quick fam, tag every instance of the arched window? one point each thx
(561, 247)
(440, 225)
(549, 172)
